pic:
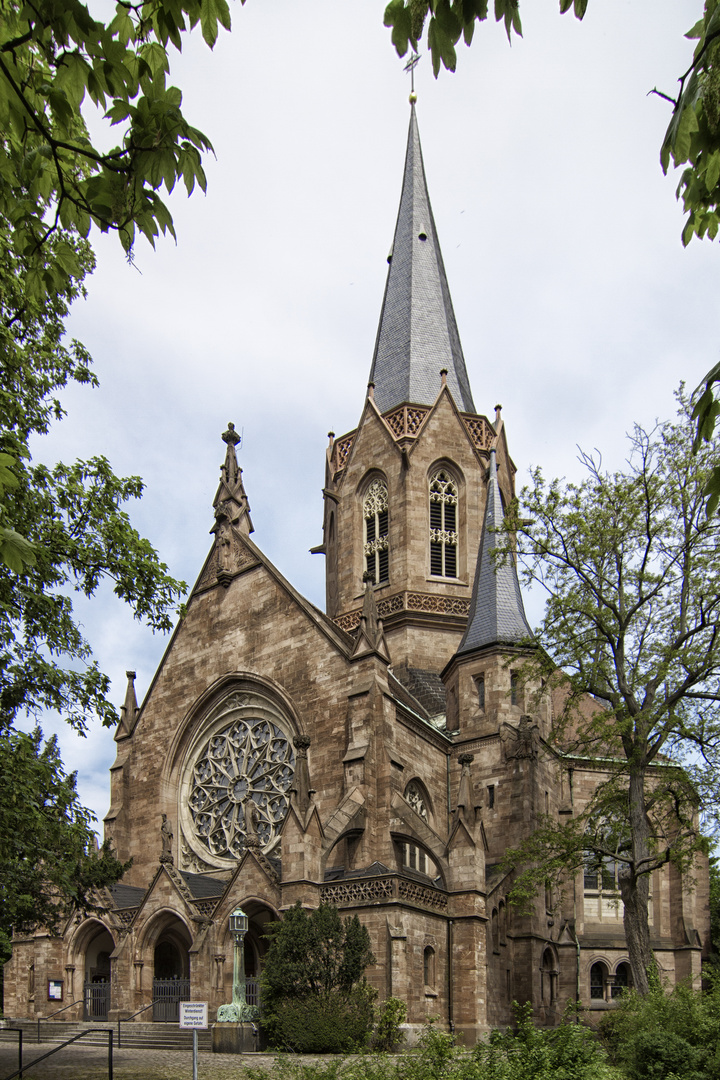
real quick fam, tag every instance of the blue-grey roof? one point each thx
(497, 615)
(126, 896)
(417, 336)
(203, 887)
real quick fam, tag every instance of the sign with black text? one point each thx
(194, 1014)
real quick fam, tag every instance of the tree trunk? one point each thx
(635, 888)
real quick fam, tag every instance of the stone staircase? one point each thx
(132, 1035)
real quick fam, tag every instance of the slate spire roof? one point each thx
(417, 336)
(496, 614)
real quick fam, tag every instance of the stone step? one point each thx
(138, 1036)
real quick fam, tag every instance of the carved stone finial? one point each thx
(129, 710)
(371, 391)
(230, 466)
(166, 834)
(231, 436)
(466, 759)
(443, 376)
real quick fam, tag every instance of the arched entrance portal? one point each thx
(96, 982)
(171, 971)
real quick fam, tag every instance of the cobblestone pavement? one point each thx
(91, 1063)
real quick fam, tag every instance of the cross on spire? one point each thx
(410, 66)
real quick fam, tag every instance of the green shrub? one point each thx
(666, 1034)
(659, 1054)
(329, 1022)
(388, 1035)
(567, 1052)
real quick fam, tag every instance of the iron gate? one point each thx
(167, 995)
(97, 1000)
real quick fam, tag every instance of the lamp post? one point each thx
(239, 1010)
(238, 928)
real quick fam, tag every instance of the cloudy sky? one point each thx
(578, 308)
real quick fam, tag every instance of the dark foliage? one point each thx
(313, 999)
(48, 864)
(664, 1035)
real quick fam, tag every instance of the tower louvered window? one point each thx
(375, 512)
(443, 525)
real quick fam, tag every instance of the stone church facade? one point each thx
(381, 755)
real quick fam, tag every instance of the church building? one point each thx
(380, 755)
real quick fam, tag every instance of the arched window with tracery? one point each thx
(375, 515)
(443, 525)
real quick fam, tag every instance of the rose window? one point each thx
(246, 762)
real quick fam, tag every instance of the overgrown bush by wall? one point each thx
(666, 1036)
(328, 1022)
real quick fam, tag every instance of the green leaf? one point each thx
(712, 173)
(15, 551)
(397, 15)
(442, 47)
(212, 12)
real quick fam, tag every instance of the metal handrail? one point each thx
(19, 1033)
(19, 1072)
(50, 1015)
(124, 1019)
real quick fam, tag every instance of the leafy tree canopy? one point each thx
(48, 864)
(56, 59)
(64, 527)
(632, 627)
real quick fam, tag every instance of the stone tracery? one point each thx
(238, 785)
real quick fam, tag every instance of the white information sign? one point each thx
(194, 1014)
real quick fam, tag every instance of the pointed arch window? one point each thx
(443, 525)
(375, 514)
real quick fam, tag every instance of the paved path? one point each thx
(90, 1063)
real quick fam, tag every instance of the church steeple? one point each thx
(496, 614)
(417, 335)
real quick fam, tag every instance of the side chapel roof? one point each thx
(497, 615)
(417, 336)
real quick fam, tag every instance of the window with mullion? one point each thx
(375, 548)
(443, 525)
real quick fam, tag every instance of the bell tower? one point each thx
(405, 492)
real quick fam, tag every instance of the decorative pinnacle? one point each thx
(231, 436)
